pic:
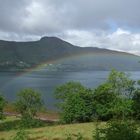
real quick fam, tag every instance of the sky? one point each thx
(111, 24)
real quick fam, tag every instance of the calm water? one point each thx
(46, 81)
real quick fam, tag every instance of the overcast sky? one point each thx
(112, 24)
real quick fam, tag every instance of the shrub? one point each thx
(2, 105)
(122, 108)
(21, 135)
(28, 122)
(118, 130)
(136, 104)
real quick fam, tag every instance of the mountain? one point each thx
(61, 55)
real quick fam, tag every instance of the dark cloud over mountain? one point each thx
(111, 24)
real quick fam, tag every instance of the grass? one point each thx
(54, 132)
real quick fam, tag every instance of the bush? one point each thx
(2, 105)
(122, 108)
(28, 122)
(118, 130)
(21, 135)
(136, 104)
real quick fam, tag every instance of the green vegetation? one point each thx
(29, 102)
(116, 101)
(112, 99)
(118, 130)
(136, 102)
(21, 135)
(53, 132)
(104, 99)
(121, 84)
(89, 131)
(2, 105)
(76, 102)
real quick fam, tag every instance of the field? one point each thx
(51, 131)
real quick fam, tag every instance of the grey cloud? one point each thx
(51, 16)
(12, 14)
(83, 22)
(96, 13)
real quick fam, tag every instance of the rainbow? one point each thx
(56, 61)
(78, 56)
(44, 65)
(63, 59)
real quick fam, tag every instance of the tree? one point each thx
(122, 108)
(121, 83)
(136, 104)
(2, 105)
(29, 103)
(76, 102)
(113, 98)
(104, 99)
(68, 89)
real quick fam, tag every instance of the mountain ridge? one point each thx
(16, 55)
(45, 38)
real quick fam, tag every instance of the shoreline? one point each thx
(46, 115)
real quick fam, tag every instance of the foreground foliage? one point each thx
(29, 102)
(136, 103)
(2, 105)
(118, 130)
(21, 135)
(117, 98)
(76, 102)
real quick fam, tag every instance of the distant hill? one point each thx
(63, 56)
